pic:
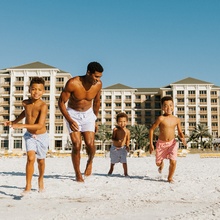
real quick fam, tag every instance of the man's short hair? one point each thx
(94, 66)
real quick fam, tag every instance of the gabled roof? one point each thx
(34, 65)
(190, 80)
(118, 86)
(150, 90)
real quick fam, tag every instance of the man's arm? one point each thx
(96, 103)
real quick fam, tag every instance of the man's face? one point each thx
(95, 77)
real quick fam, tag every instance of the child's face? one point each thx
(122, 122)
(36, 91)
(168, 107)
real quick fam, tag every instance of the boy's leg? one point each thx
(125, 167)
(111, 169)
(29, 169)
(41, 168)
(160, 165)
(172, 168)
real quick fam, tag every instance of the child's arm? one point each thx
(127, 143)
(180, 133)
(39, 125)
(19, 118)
(151, 133)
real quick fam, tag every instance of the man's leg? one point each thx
(29, 169)
(76, 141)
(89, 138)
(41, 168)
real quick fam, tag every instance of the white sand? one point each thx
(145, 195)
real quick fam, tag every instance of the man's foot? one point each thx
(161, 167)
(25, 192)
(88, 170)
(79, 178)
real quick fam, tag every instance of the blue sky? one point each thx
(140, 43)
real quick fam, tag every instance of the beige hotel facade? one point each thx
(195, 102)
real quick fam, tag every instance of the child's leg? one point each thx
(29, 169)
(125, 169)
(111, 169)
(171, 170)
(160, 165)
(41, 168)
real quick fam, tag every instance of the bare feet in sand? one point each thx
(88, 170)
(161, 167)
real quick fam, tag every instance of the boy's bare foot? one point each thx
(88, 170)
(161, 167)
(40, 185)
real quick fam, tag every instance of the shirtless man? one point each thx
(36, 136)
(166, 146)
(83, 96)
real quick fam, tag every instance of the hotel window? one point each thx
(59, 129)
(47, 88)
(128, 113)
(46, 79)
(6, 90)
(108, 97)
(137, 105)
(18, 98)
(147, 113)
(213, 100)
(192, 100)
(180, 109)
(108, 104)
(157, 113)
(19, 88)
(128, 104)
(118, 104)
(59, 79)
(180, 100)
(108, 120)
(138, 97)
(108, 113)
(180, 92)
(203, 100)
(147, 105)
(191, 92)
(59, 89)
(148, 97)
(19, 79)
(157, 105)
(213, 92)
(118, 97)
(4, 144)
(202, 92)
(128, 97)
(157, 98)
(17, 144)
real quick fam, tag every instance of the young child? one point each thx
(120, 143)
(166, 146)
(36, 137)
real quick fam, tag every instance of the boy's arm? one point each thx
(127, 143)
(19, 118)
(151, 133)
(180, 133)
(37, 126)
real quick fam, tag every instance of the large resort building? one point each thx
(195, 102)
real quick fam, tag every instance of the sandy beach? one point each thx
(146, 194)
